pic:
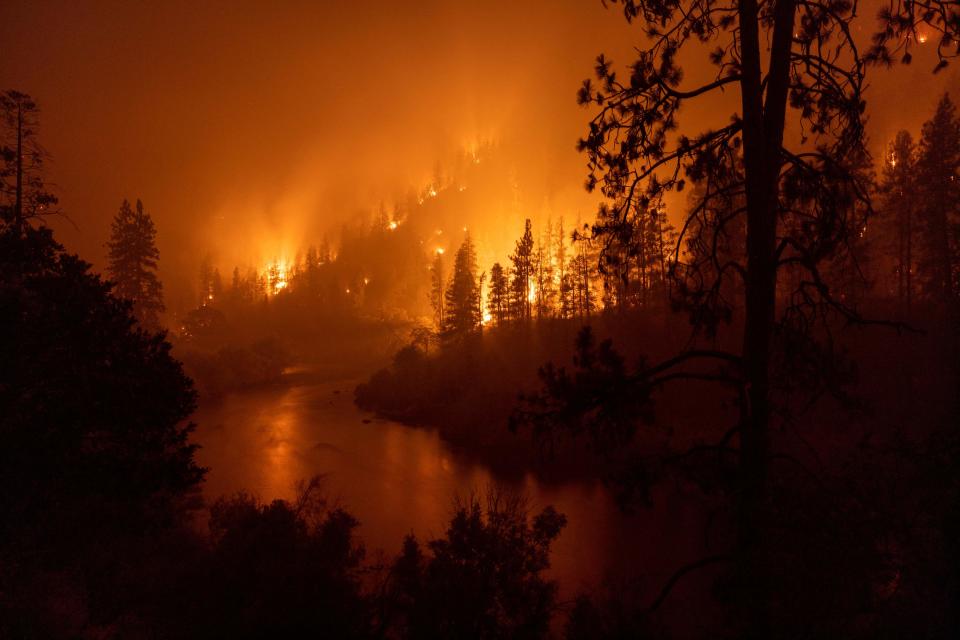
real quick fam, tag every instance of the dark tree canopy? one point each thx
(788, 172)
(132, 264)
(87, 398)
(523, 270)
(284, 569)
(483, 579)
(938, 190)
(498, 302)
(462, 315)
(899, 208)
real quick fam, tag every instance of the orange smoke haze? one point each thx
(251, 129)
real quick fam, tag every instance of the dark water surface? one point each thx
(398, 479)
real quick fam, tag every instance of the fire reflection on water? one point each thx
(395, 479)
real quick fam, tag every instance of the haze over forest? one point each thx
(249, 133)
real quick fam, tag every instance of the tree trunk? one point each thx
(909, 275)
(18, 205)
(763, 138)
(943, 248)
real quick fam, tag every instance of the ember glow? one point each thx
(278, 275)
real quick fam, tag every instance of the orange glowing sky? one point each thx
(242, 124)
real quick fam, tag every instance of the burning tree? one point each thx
(802, 199)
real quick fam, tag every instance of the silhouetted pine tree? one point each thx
(662, 240)
(462, 314)
(235, 293)
(582, 272)
(561, 265)
(620, 241)
(522, 258)
(22, 192)
(899, 210)
(567, 307)
(938, 173)
(543, 271)
(132, 264)
(437, 287)
(498, 302)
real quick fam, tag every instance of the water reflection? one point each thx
(394, 478)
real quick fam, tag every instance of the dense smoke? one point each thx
(249, 134)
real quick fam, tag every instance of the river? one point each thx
(398, 479)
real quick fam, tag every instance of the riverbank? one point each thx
(468, 390)
(397, 479)
(238, 361)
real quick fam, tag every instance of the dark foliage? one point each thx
(23, 195)
(783, 196)
(232, 368)
(133, 257)
(483, 579)
(282, 570)
(938, 187)
(92, 412)
(462, 297)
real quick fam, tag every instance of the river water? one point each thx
(398, 479)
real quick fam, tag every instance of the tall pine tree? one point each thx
(563, 282)
(543, 275)
(938, 173)
(462, 314)
(132, 264)
(437, 290)
(498, 302)
(898, 204)
(22, 192)
(522, 258)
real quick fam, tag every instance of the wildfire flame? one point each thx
(278, 276)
